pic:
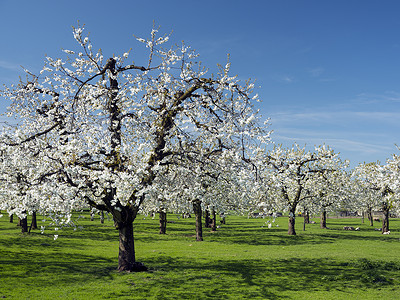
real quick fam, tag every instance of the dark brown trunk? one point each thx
(102, 217)
(223, 218)
(24, 224)
(323, 219)
(126, 256)
(11, 218)
(385, 217)
(307, 217)
(34, 221)
(197, 213)
(292, 221)
(214, 220)
(207, 219)
(370, 218)
(163, 222)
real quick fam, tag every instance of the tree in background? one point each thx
(331, 190)
(17, 178)
(363, 197)
(292, 175)
(380, 179)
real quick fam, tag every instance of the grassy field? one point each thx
(242, 260)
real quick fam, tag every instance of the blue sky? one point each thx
(328, 71)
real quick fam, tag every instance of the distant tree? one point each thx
(332, 190)
(363, 197)
(292, 176)
(379, 178)
(17, 177)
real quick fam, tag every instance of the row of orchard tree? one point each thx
(161, 136)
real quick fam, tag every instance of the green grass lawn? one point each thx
(242, 260)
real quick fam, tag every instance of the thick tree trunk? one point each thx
(34, 221)
(163, 222)
(197, 213)
(207, 219)
(323, 219)
(24, 224)
(126, 256)
(292, 221)
(11, 218)
(370, 218)
(385, 217)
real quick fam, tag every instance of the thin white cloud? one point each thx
(10, 66)
(355, 151)
(390, 96)
(287, 79)
(332, 133)
(336, 143)
(334, 116)
(316, 72)
(284, 78)
(358, 135)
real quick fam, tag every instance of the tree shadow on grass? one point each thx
(266, 279)
(252, 233)
(265, 237)
(65, 267)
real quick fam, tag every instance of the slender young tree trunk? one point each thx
(214, 220)
(369, 215)
(292, 221)
(223, 218)
(306, 217)
(102, 217)
(163, 222)
(197, 213)
(385, 217)
(323, 219)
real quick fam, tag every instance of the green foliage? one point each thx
(242, 260)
